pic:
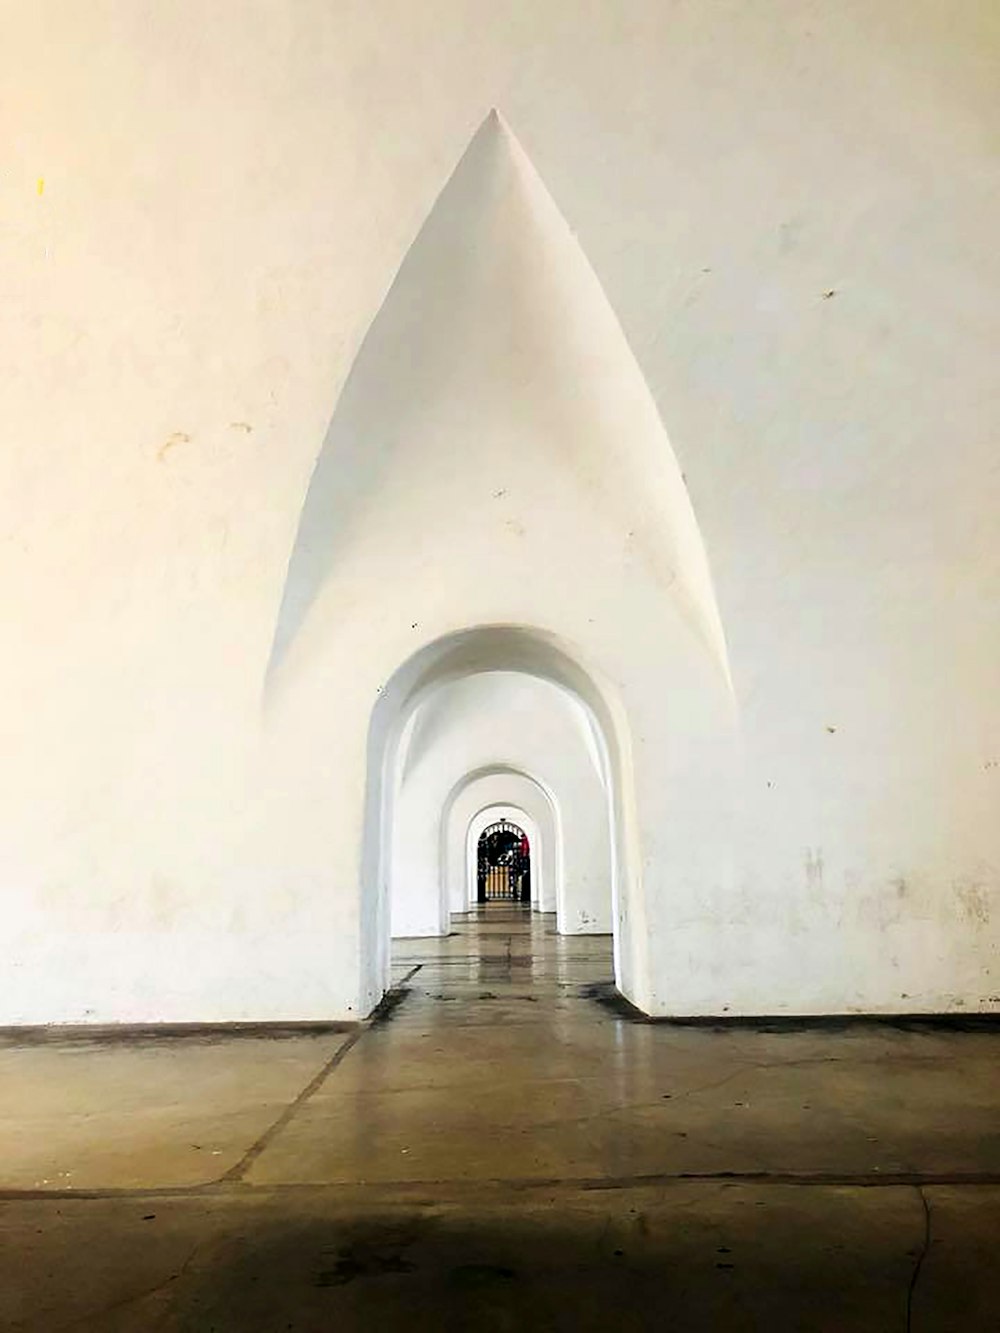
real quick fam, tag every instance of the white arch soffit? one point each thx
(488, 650)
(513, 814)
(610, 439)
(427, 719)
(498, 648)
(497, 771)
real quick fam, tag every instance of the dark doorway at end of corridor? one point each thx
(503, 864)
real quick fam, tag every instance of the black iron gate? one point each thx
(503, 864)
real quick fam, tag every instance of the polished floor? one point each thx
(503, 1147)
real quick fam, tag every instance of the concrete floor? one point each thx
(503, 1149)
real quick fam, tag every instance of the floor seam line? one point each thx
(802, 1180)
(236, 1173)
(921, 1256)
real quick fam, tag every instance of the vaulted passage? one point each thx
(495, 773)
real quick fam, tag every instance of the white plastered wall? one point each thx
(494, 720)
(792, 210)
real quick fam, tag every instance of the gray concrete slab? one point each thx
(129, 1111)
(475, 1079)
(686, 1257)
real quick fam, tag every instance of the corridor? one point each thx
(503, 1146)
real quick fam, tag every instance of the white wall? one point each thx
(792, 211)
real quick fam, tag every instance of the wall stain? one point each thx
(814, 868)
(975, 903)
(171, 442)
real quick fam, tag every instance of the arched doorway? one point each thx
(469, 653)
(464, 826)
(503, 864)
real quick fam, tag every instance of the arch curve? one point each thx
(494, 787)
(481, 822)
(490, 648)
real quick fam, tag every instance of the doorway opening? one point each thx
(426, 797)
(503, 864)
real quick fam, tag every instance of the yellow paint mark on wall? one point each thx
(41, 186)
(241, 425)
(178, 437)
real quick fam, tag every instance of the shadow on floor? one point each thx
(684, 1258)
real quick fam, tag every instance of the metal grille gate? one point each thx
(503, 864)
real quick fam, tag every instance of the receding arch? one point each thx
(525, 723)
(503, 813)
(514, 648)
(493, 787)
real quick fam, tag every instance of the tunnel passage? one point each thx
(503, 864)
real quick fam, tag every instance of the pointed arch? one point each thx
(496, 492)
(497, 333)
